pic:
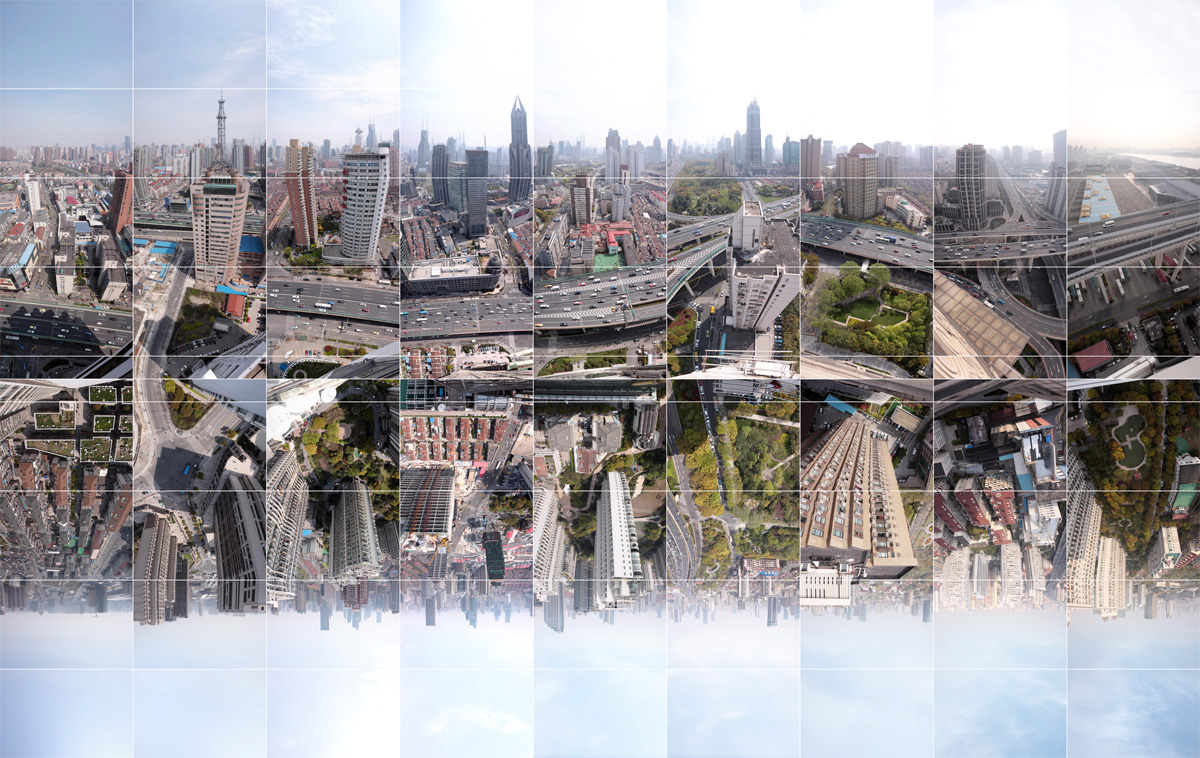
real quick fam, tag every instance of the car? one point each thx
(365, 310)
(1166, 213)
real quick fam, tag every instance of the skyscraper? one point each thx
(1060, 148)
(810, 158)
(120, 210)
(154, 566)
(364, 196)
(520, 161)
(970, 170)
(618, 560)
(545, 162)
(439, 169)
(300, 170)
(239, 524)
(754, 156)
(218, 216)
(581, 200)
(757, 300)
(423, 149)
(353, 541)
(143, 167)
(287, 504)
(769, 149)
(372, 138)
(477, 173)
(612, 157)
(865, 524)
(860, 182)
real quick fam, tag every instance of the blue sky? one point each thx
(985, 713)
(36, 723)
(365, 696)
(467, 713)
(200, 43)
(733, 713)
(835, 706)
(68, 43)
(1122, 712)
(599, 714)
(224, 710)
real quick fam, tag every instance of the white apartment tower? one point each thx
(747, 228)
(353, 540)
(365, 185)
(549, 542)
(757, 300)
(287, 502)
(618, 561)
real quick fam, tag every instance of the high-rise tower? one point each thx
(754, 156)
(520, 162)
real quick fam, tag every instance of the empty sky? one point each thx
(949, 72)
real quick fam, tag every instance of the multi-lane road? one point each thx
(71, 329)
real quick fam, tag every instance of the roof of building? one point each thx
(1094, 356)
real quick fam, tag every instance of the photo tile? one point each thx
(360, 373)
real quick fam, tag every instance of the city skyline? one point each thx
(650, 378)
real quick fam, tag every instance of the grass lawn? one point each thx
(103, 395)
(890, 317)
(864, 309)
(102, 424)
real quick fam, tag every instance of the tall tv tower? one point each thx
(221, 130)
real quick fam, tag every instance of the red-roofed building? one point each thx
(1094, 357)
(235, 305)
(16, 230)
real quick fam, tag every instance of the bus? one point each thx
(1120, 288)
(1181, 289)
(322, 306)
(1120, 275)
(385, 281)
(988, 303)
(423, 311)
(289, 354)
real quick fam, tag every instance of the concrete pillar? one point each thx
(1178, 263)
(688, 287)
(711, 268)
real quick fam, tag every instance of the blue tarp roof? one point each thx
(251, 244)
(140, 242)
(1026, 482)
(27, 255)
(839, 405)
(225, 289)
